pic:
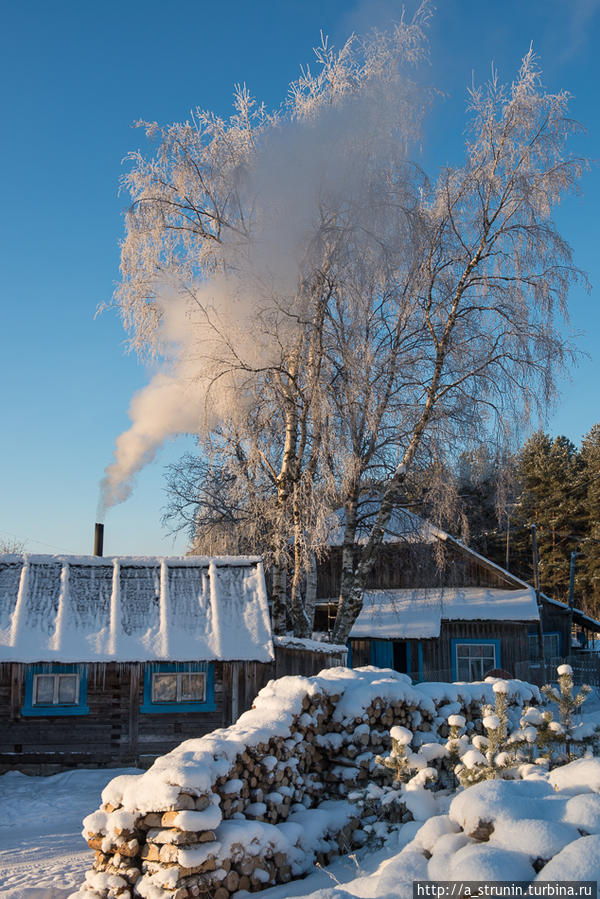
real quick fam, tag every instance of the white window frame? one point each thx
(56, 675)
(487, 667)
(179, 675)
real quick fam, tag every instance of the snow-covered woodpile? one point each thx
(259, 802)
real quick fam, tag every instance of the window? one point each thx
(183, 686)
(551, 646)
(179, 687)
(473, 659)
(55, 690)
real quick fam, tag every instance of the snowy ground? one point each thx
(42, 852)
(43, 855)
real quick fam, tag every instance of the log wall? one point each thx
(116, 731)
(406, 565)
(289, 660)
(437, 652)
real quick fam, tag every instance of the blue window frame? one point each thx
(472, 657)
(179, 687)
(52, 689)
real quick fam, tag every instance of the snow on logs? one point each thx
(260, 802)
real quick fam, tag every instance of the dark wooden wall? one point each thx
(289, 660)
(437, 658)
(556, 620)
(115, 731)
(412, 565)
(514, 657)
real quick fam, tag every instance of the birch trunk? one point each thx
(350, 605)
(279, 599)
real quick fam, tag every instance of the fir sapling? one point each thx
(562, 731)
(491, 756)
(397, 760)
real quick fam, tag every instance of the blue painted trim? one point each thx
(170, 708)
(30, 710)
(382, 653)
(349, 658)
(420, 660)
(484, 641)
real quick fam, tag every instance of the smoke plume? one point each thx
(308, 170)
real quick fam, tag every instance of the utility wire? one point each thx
(41, 542)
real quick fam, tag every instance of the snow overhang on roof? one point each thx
(579, 617)
(417, 614)
(97, 609)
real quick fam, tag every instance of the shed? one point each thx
(433, 608)
(106, 660)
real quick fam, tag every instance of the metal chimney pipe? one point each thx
(99, 539)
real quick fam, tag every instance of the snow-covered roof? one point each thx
(404, 525)
(289, 642)
(579, 617)
(97, 609)
(417, 614)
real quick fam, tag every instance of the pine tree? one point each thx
(590, 564)
(552, 499)
(397, 761)
(490, 757)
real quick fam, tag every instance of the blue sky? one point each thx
(74, 77)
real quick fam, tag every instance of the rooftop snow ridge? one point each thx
(133, 609)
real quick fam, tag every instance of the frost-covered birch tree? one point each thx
(325, 314)
(229, 270)
(489, 294)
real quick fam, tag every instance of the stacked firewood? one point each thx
(193, 847)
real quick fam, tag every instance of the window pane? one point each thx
(192, 687)
(164, 688)
(462, 669)
(551, 645)
(67, 689)
(476, 669)
(474, 660)
(44, 689)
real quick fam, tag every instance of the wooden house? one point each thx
(437, 610)
(105, 661)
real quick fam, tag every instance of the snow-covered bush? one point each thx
(486, 757)
(506, 752)
(563, 732)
